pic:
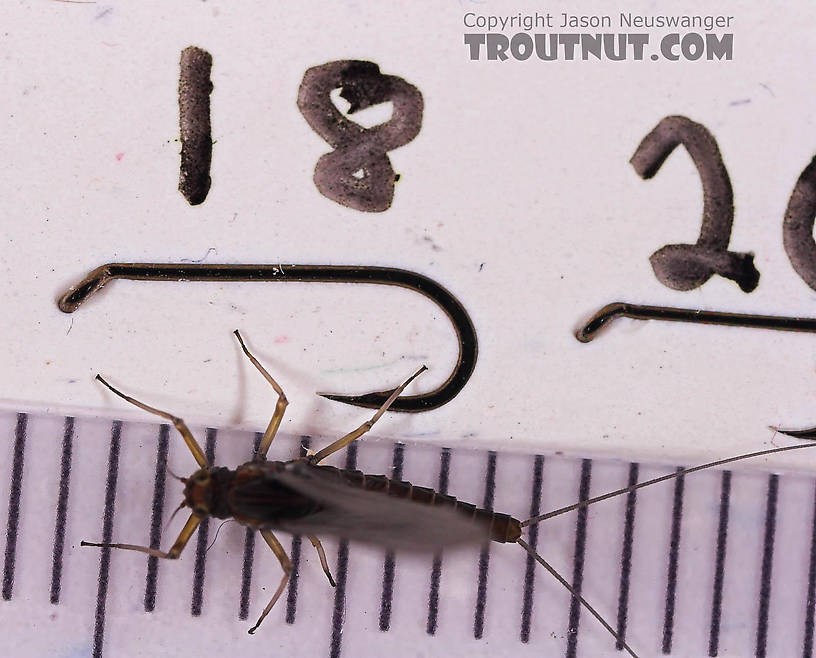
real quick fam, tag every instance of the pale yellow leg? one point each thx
(342, 442)
(286, 565)
(178, 423)
(323, 561)
(280, 407)
(184, 536)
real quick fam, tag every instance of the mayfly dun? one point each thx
(301, 496)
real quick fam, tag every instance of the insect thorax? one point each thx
(257, 499)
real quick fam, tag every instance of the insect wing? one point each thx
(374, 517)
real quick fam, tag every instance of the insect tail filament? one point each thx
(671, 476)
(575, 593)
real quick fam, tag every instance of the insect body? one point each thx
(301, 496)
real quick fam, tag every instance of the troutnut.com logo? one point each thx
(687, 43)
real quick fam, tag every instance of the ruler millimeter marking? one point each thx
(157, 513)
(249, 556)
(436, 568)
(719, 569)
(107, 537)
(14, 505)
(294, 553)
(339, 612)
(674, 557)
(62, 509)
(548, 621)
(484, 554)
(811, 590)
(626, 556)
(767, 567)
(202, 538)
(578, 559)
(389, 564)
(531, 567)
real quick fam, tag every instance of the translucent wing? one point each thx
(373, 517)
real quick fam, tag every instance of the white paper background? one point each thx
(516, 195)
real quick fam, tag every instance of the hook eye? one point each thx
(387, 276)
(604, 316)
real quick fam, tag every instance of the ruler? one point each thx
(717, 563)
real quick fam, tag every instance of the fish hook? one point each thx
(604, 316)
(388, 276)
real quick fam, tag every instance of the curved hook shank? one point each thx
(610, 312)
(388, 276)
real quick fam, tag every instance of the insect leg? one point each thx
(322, 555)
(280, 407)
(184, 536)
(286, 565)
(178, 423)
(342, 442)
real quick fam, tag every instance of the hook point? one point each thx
(807, 433)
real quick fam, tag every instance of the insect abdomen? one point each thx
(501, 528)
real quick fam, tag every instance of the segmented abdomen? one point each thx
(501, 527)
